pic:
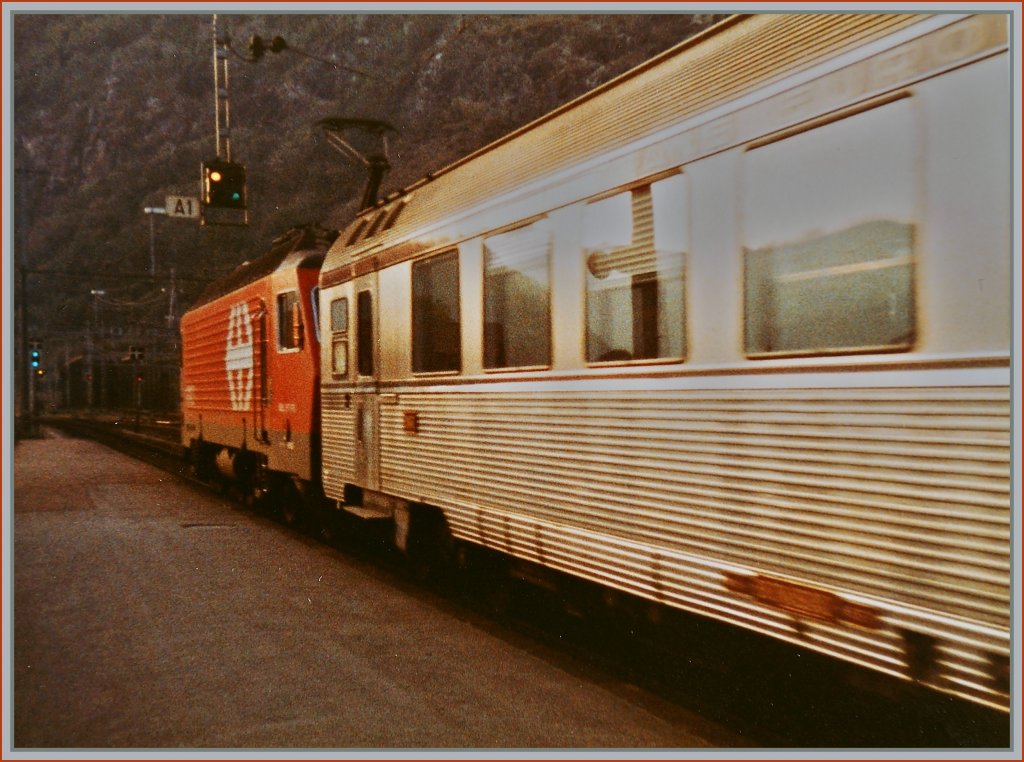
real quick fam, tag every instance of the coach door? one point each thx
(365, 402)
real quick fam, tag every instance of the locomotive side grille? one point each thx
(901, 495)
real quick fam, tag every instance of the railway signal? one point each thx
(224, 184)
(223, 193)
(35, 354)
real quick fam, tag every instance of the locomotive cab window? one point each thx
(634, 243)
(436, 320)
(829, 236)
(339, 336)
(517, 297)
(289, 322)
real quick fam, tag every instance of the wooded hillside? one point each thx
(113, 112)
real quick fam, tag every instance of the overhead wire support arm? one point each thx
(344, 148)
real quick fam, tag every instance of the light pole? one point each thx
(151, 211)
(26, 195)
(96, 294)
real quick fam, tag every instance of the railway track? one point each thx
(772, 693)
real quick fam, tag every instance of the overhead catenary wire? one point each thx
(114, 275)
(131, 304)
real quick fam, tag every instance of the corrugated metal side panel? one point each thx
(204, 377)
(740, 57)
(694, 583)
(203, 373)
(900, 495)
(338, 426)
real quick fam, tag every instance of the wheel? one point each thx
(430, 547)
(250, 478)
(327, 527)
(492, 583)
(284, 500)
(290, 509)
(330, 520)
(201, 460)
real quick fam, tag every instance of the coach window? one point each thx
(635, 243)
(364, 333)
(436, 327)
(829, 237)
(289, 322)
(339, 336)
(517, 297)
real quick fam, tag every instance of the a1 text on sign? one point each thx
(182, 206)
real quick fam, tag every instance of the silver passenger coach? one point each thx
(729, 334)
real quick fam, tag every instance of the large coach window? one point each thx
(829, 238)
(289, 321)
(517, 297)
(635, 244)
(436, 330)
(339, 336)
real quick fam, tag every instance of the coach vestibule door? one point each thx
(365, 401)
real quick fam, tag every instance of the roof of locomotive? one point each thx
(704, 71)
(298, 247)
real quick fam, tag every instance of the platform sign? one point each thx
(182, 206)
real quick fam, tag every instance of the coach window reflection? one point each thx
(634, 244)
(829, 236)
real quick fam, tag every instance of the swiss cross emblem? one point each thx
(239, 357)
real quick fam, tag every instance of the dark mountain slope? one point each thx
(114, 112)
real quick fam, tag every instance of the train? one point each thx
(729, 334)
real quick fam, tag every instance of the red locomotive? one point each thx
(250, 371)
